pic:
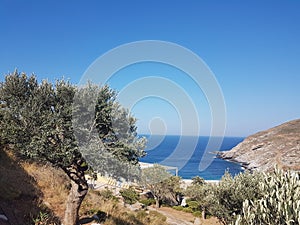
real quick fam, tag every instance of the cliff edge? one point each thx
(262, 151)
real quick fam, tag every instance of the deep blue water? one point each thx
(186, 153)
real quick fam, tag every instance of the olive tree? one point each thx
(161, 184)
(231, 192)
(40, 121)
(202, 193)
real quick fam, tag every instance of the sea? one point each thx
(192, 156)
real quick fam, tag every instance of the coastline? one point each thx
(186, 182)
(222, 155)
(189, 181)
(188, 165)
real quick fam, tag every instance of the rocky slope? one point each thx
(262, 151)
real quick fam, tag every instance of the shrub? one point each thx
(203, 194)
(129, 195)
(231, 192)
(193, 205)
(178, 207)
(45, 217)
(280, 203)
(188, 210)
(106, 193)
(198, 180)
(197, 214)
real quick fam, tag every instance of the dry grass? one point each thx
(115, 213)
(30, 191)
(19, 195)
(53, 183)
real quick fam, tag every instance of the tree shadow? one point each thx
(99, 217)
(20, 197)
(121, 221)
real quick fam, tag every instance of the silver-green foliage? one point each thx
(67, 126)
(230, 194)
(280, 203)
(163, 186)
(203, 194)
(225, 199)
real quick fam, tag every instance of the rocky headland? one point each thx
(262, 151)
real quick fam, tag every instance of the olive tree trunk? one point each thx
(157, 202)
(75, 198)
(79, 189)
(204, 213)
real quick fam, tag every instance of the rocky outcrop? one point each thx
(262, 151)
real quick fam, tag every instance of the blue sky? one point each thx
(252, 47)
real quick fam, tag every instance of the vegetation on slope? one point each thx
(33, 194)
(56, 123)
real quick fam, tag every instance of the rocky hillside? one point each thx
(279, 145)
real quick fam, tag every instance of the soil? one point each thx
(175, 217)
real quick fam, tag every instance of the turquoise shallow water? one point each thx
(186, 153)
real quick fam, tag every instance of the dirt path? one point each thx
(175, 217)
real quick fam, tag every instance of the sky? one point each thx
(251, 47)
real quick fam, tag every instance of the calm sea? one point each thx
(186, 153)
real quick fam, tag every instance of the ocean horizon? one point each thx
(187, 153)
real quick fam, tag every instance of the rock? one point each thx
(183, 202)
(134, 207)
(197, 221)
(262, 151)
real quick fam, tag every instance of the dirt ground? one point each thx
(175, 217)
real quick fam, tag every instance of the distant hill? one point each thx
(279, 145)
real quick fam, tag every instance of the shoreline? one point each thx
(244, 165)
(187, 181)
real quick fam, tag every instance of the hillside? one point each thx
(262, 151)
(28, 191)
(33, 194)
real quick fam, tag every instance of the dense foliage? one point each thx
(66, 125)
(249, 199)
(279, 203)
(163, 186)
(201, 193)
(129, 195)
(232, 192)
(106, 133)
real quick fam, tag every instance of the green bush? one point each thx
(193, 205)
(129, 195)
(231, 192)
(178, 207)
(188, 210)
(106, 193)
(198, 180)
(44, 217)
(197, 214)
